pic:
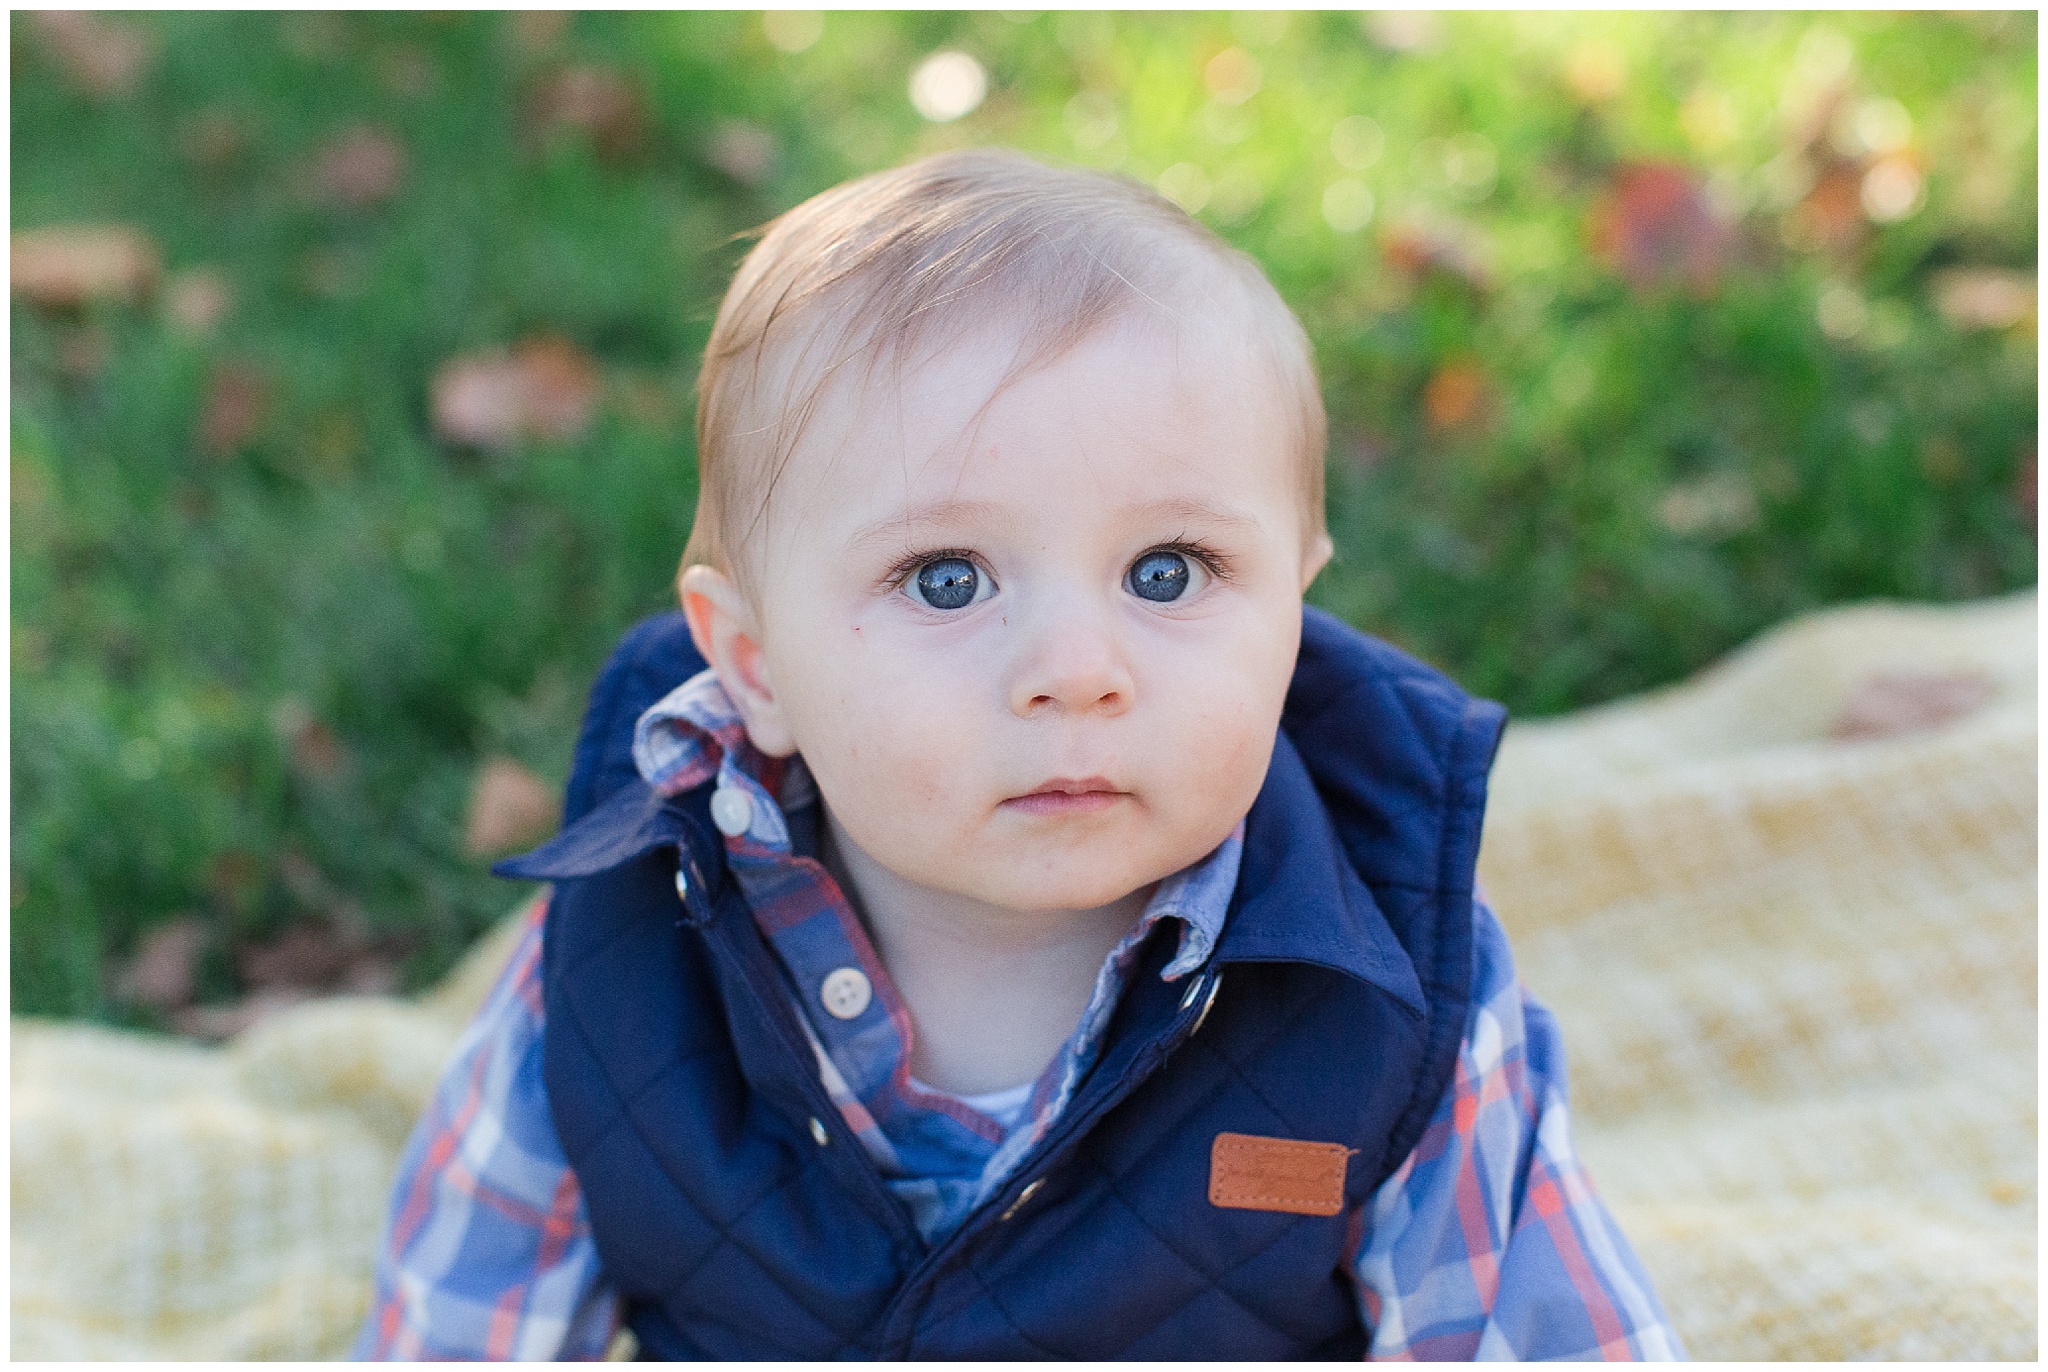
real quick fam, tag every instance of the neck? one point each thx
(992, 992)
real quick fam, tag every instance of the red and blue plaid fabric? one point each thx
(487, 1253)
(1488, 1241)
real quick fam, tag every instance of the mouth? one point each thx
(1068, 796)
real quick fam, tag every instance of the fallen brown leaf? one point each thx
(647, 398)
(312, 954)
(102, 55)
(1654, 226)
(546, 388)
(215, 141)
(1453, 394)
(1418, 247)
(196, 299)
(361, 168)
(82, 351)
(371, 976)
(164, 972)
(235, 878)
(233, 414)
(536, 32)
(1830, 215)
(315, 35)
(745, 152)
(509, 807)
(407, 71)
(65, 266)
(314, 749)
(594, 102)
(1886, 705)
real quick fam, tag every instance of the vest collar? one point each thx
(634, 819)
(1298, 898)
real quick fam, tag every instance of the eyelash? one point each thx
(1211, 560)
(906, 567)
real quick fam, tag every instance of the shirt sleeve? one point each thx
(487, 1253)
(1488, 1241)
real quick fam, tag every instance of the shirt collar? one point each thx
(696, 733)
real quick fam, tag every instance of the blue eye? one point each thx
(947, 583)
(1159, 576)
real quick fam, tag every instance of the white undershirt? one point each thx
(1005, 1107)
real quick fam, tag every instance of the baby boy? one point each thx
(995, 919)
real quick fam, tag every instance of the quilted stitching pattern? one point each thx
(775, 1259)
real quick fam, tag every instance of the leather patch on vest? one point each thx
(1294, 1176)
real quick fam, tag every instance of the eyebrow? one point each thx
(932, 515)
(947, 515)
(1196, 512)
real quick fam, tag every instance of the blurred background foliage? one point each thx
(352, 365)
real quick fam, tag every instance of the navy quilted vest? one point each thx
(687, 1100)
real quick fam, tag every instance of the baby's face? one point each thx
(1038, 658)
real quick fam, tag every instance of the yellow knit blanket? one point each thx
(1796, 976)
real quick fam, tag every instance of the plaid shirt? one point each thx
(1488, 1241)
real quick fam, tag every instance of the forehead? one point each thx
(1142, 408)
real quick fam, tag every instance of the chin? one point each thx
(1082, 886)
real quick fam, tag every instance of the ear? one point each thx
(1315, 559)
(728, 634)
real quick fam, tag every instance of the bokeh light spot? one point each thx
(1841, 311)
(1878, 126)
(1091, 119)
(1824, 57)
(1985, 297)
(1347, 204)
(1708, 119)
(1892, 190)
(1357, 142)
(1233, 76)
(1470, 165)
(947, 85)
(1596, 70)
(792, 31)
(1404, 30)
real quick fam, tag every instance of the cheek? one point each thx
(1229, 705)
(1225, 758)
(889, 732)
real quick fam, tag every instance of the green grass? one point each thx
(1647, 475)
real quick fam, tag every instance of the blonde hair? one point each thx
(879, 268)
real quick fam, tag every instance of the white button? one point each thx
(732, 810)
(682, 884)
(846, 993)
(818, 1131)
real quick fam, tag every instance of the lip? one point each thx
(1068, 796)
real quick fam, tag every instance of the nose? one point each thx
(1072, 662)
